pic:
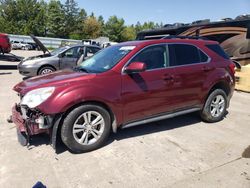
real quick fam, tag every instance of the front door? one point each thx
(70, 57)
(151, 92)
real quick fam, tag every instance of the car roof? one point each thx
(3, 34)
(83, 45)
(157, 41)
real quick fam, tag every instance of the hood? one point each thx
(37, 57)
(59, 78)
(40, 44)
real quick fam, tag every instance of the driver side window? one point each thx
(154, 57)
(69, 53)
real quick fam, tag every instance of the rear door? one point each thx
(151, 92)
(191, 70)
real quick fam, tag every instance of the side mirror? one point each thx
(135, 67)
(60, 55)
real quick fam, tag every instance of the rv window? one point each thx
(248, 32)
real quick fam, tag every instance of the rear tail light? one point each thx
(232, 67)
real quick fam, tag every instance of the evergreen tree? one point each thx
(102, 23)
(71, 11)
(80, 20)
(114, 28)
(22, 17)
(56, 20)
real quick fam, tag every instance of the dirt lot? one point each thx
(179, 152)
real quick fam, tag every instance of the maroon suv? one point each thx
(5, 45)
(125, 85)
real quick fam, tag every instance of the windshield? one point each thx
(105, 59)
(58, 50)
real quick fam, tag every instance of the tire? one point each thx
(214, 109)
(46, 70)
(80, 138)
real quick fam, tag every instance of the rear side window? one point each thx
(203, 57)
(218, 50)
(184, 54)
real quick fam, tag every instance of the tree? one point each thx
(102, 23)
(114, 28)
(128, 33)
(51, 18)
(92, 28)
(138, 27)
(23, 16)
(71, 12)
(56, 19)
(80, 21)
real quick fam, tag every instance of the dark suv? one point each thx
(125, 85)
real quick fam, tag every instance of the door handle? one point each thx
(206, 68)
(168, 77)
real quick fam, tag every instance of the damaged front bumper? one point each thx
(30, 122)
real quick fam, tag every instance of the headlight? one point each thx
(35, 97)
(28, 62)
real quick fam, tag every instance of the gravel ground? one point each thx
(178, 152)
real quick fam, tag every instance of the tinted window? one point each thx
(218, 50)
(183, 54)
(154, 57)
(203, 57)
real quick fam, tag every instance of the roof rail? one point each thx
(184, 37)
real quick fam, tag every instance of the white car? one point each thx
(20, 45)
(107, 44)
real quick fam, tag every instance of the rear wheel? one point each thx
(46, 70)
(86, 128)
(215, 107)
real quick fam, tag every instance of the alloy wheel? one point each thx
(88, 128)
(46, 71)
(217, 106)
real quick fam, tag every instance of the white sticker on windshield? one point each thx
(127, 48)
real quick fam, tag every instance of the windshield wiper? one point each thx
(81, 69)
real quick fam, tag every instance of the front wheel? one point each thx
(214, 109)
(46, 70)
(86, 128)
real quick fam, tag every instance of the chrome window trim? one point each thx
(206, 62)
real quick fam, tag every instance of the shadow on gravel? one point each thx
(10, 57)
(8, 67)
(4, 73)
(246, 153)
(158, 126)
(26, 77)
(38, 140)
(150, 128)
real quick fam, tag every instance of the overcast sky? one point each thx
(166, 11)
